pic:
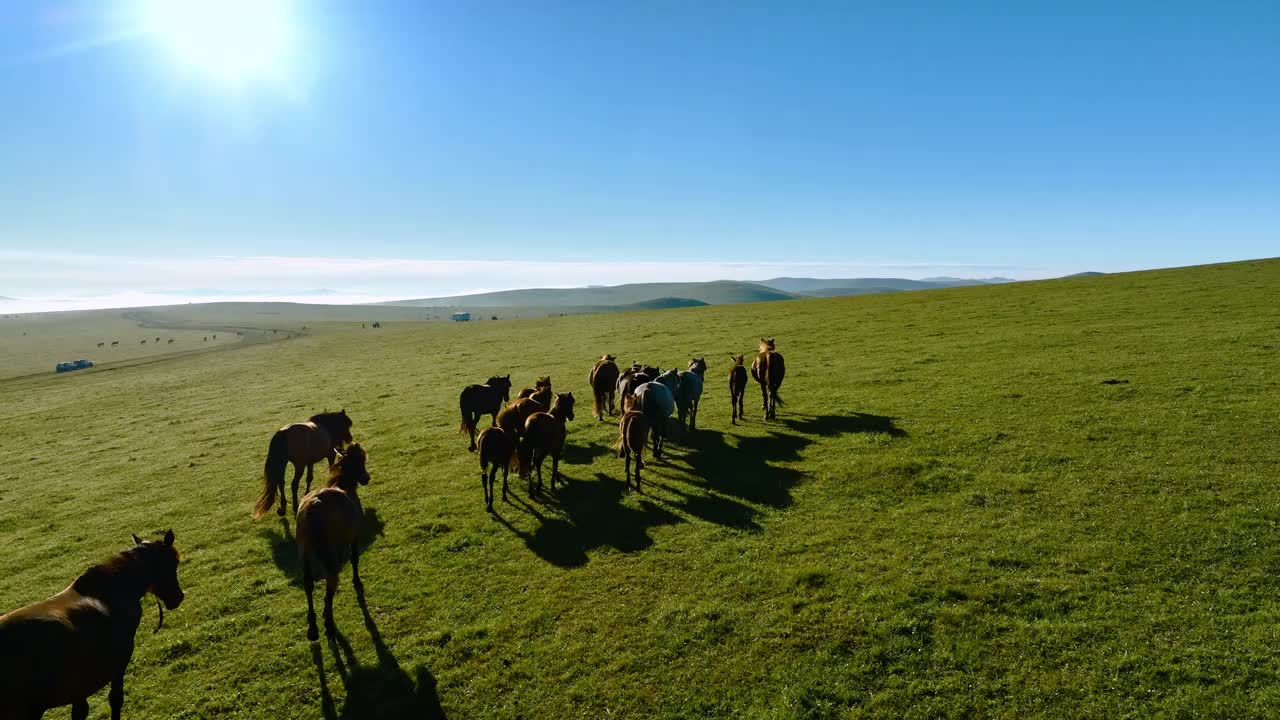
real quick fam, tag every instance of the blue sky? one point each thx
(708, 139)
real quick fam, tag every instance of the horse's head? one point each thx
(698, 366)
(563, 406)
(503, 384)
(652, 371)
(766, 344)
(608, 358)
(160, 568)
(671, 379)
(544, 382)
(737, 359)
(350, 469)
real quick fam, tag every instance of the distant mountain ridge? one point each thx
(717, 292)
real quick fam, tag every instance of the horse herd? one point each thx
(61, 650)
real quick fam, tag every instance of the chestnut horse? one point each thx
(304, 445)
(633, 432)
(545, 434)
(541, 391)
(328, 533)
(737, 387)
(604, 381)
(497, 452)
(513, 417)
(768, 369)
(479, 400)
(61, 650)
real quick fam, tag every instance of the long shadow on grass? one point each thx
(284, 546)
(582, 516)
(834, 425)
(378, 691)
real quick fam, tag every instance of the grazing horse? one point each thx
(304, 445)
(768, 369)
(328, 531)
(737, 387)
(604, 381)
(62, 650)
(115, 343)
(689, 393)
(170, 341)
(478, 400)
(157, 339)
(144, 342)
(633, 431)
(656, 402)
(545, 434)
(101, 344)
(497, 452)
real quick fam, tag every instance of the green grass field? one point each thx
(1053, 499)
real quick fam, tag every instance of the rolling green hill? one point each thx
(719, 292)
(1041, 499)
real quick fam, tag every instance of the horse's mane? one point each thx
(104, 574)
(353, 460)
(325, 418)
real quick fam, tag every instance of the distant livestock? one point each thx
(101, 344)
(604, 381)
(114, 343)
(768, 369)
(170, 341)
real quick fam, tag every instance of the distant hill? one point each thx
(719, 292)
(955, 281)
(664, 304)
(1090, 273)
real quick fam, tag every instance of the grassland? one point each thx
(1051, 499)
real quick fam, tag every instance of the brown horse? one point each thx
(514, 416)
(541, 391)
(478, 400)
(634, 377)
(62, 650)
(497, 451)
(304, 445)
(633, 432)
(545, 434)
(328, 530)
(604, 381)
(768, 369)
(737, 387)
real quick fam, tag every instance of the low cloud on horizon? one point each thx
(39, 282)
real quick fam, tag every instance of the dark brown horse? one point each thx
(545, 434)
(633, 432)
(737, 387)
(768, 369)
(479, 400)
(62, 650)
(304, 445)
(328, 531)
(497, 452)
(604, 382)
(634, 377)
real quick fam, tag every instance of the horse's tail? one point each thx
(598, 403)
(524, 457)
(319, 548)
(272, 473)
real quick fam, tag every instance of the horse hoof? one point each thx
(280, 511)
(313, 634)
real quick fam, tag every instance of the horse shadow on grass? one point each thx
(581, 516)
(284, 546)
(384, 690)
(835, 425)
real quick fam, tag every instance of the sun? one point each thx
(229, 41)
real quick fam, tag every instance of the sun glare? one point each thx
(230, 41)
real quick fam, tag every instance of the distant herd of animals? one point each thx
(62, 650)
(143, 341)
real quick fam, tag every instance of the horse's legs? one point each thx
(309, 477)
(297, 476)
(115, 697)
(693, 416)
(487, 488)
(505, 469)
(309, 584)
(764, 398)
(626, 472)
(330, 588)
(355, 567)
(555, 469)
(79, 710)
(639, 464)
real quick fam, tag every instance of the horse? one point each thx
(157, 339)
(656, 402)
(603, 380)
(114, 343)
(737, 387)
(101, 344)
(768, 369)
(633, 431)
(513, 417)
(304, 445)
(541, 391)
(478, 400)
(497, 452)
(170, 341)
(61, 650)
(689, 392)
(634, 377)
(144, 342)
(328, 530)
(545, 434)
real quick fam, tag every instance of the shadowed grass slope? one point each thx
(956, 514)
